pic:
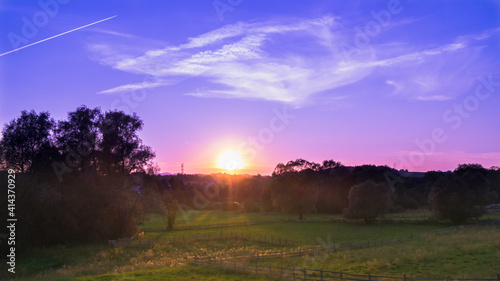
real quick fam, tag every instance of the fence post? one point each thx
(498, 276)
(321, 274)
(404, 277)
(305, 275)
(281, 272)
(293, 272)
(341, 275)
(369, 276)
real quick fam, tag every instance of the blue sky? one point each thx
(365, 81)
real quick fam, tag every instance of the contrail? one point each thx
(43, 40)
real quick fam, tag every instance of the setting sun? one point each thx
(230, 160)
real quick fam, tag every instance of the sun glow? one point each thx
(230, 160)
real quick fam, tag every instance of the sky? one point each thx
(409, 84)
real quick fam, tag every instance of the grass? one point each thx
(465, 254)
(310, 232)
(173, 273)
(160, 261)
(195, 218)
(96, 260)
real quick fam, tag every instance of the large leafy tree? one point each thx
(462, 196)
(368, 200)
(294, 187)
(27, 143)
(122, 151)
(80, 134)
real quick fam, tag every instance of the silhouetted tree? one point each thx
(368, 201)
(79, 136)
(462, 196)
(26, 140)
(294, 187)
(170, 208)
(121, 148)
(295, 166)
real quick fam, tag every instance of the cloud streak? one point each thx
(291, 62)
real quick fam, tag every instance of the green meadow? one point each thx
(466, 253)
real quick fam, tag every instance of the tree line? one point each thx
(71, 175)
(363, 192)
(90, 178)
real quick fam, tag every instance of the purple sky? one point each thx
(414, 84)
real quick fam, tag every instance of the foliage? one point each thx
(462, 196)
(26, 142)
(368, 201)
(170, 209)
(99, 151)
(294, 193)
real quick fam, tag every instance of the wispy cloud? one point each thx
(137, 86)
(290, 62)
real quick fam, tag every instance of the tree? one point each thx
(330, 164)
(368, 201)
(122, 151)
(294, 192)
(295, 166)
(461, 198)
(170, 209)
(80, 134)
(26, 141)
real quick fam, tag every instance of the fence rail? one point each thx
(296, 273)
(333, 247)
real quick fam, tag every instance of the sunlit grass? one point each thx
(50, 264)
(467, 253)
(310, 232)
(195, 218)
(430, 256)
(174, 273)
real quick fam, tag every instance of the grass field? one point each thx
(473, 252)
(195, 218)
(163, 260)
(310, 232)
(173, 273)
(51, 264)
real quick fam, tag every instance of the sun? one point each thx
(230, 160)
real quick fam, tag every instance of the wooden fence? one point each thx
(334, 247)
(296, 273)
